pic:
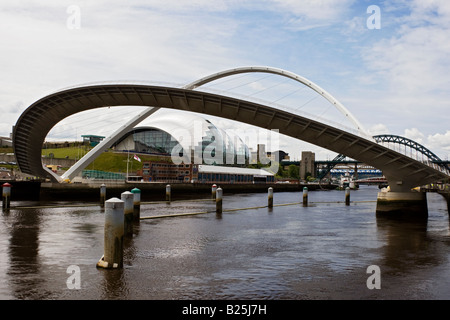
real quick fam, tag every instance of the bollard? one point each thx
(270, 197)
(168, 193)
(113, 238)
(136, 204)
(6, 196)
(213, 191)
(127, 198)
(347, 196)
(219, 200)
(102, 195)
(305, 196)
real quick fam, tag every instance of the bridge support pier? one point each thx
(402, 204)
(446, 195)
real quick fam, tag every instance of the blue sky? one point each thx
(394, 79)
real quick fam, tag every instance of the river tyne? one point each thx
(284, 253)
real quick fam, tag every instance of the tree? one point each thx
(293, 171)
(281, 173)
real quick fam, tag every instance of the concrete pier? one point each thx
(402, 204)
(168, 193)
(270, 197)
(113, 237)
(305, 196)
(102, 195)
(347, 196)
(213, 191)
(446, 195)
(219, 201)
(128, 212)
(6, 196)
(136, 204)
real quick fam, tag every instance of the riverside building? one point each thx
(190, 149)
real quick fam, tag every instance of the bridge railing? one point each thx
(282, 107)
(116, 82)
(416, 154)
(442, 168)
(413, 153)
(314, 117)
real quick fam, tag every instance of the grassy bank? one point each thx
(114, 162)
(6, 150)
(108, 161)
(74, 153)
(117, 162)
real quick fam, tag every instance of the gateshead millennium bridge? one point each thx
(402, 172)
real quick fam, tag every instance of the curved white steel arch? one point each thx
(402, 172)
(80, 165)
(226, 73)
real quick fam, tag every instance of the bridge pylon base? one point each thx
(402, 204)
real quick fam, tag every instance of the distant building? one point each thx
(165, 171)
(5, 142)
(279, 155)
(188, 149)
(260, 155)
(92, 140)
(6, 175)
(307, 165)
(220, 174)
(190, 138)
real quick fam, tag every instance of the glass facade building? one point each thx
(189, 137)
(153, 141)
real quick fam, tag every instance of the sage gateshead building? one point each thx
(185, 137)
(190, 148)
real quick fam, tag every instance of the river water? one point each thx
(289, 252)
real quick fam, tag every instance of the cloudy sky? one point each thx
(390, 68)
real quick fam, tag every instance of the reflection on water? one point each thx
(289, 252)
(23, 254)
(407, 243)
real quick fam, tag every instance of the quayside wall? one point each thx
(156, 191)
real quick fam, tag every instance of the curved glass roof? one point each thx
(177, 133)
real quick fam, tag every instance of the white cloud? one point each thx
(378, 129)
(116, 41)
(440, 142)
(415, 60)
(354, 27)
(316, 10)
(408, 71)
(414, 134)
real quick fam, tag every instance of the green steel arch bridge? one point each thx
(422, 154)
